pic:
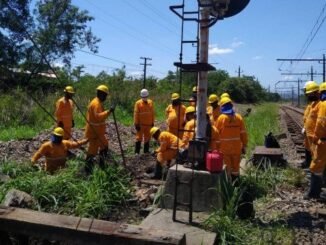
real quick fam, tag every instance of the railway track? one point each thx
(294, 120)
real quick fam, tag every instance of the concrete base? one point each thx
(275, 155)
(162, 219)
(205, 189)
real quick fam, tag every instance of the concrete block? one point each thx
(205, 189)
(162, 219)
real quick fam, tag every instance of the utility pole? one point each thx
(239, 71)
(145, 64)
(320, 61)
(311, 73)
(298, 86)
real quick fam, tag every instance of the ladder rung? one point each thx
(190, 41)
(184, 204)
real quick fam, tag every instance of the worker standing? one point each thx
(193, 98)
(175, 114)
(143, 120)
(55, 151)
(169, 146)
(317, 140)
(306, 142)
(95, 129)
(233, 137)
(64, 112)
(213, 110)
(189, 130)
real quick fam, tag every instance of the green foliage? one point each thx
(68, 193)
(262, 120)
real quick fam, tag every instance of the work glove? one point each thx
(303, 131)
(73, 123)
(112, 109)
(137, 127)
(244, 150)
(60, 124)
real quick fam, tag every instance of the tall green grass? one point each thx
(260, 122)
(67, 191)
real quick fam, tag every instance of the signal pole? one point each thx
(239, 72)
(145, 64)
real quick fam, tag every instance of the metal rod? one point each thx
(119, 140)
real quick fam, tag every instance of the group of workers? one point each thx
(315, 136)
(225, 131)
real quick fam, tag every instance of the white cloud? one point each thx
(287, 78)
(58, 64)
(215, 50)
(257, 57)
(136, 73)
(236, 43)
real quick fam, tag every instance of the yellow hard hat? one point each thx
(153, 130)
(225, 95)
(224, 101)
(190, 109)
(322, 87)
(311, 87)
(103, 88)
(58, 132)
(212, 98)
(175, 96)
(194, 89)
(69, 89)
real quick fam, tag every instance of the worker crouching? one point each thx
(167, 152)
(233, 137)
(55, 151)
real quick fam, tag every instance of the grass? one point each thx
(262, 120)
(67, 192)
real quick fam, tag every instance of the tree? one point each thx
(50, 31)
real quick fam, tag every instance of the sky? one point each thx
(264, 31)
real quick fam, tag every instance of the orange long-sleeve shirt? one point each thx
(320, 129)
(233, 135)
(311, 118)
(55, 154)
(96, 116)
(174, 117)
(64, 111)
(213, 114)
(189, 132)
(168, 141)
(144, 113)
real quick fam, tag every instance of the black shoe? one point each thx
(103, 157)
(137, 147)
(314, 188)
(89, 165)
(146, 147)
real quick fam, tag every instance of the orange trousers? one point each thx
(143, 134)
(167, 155)
(232, 163)
(318, 162)
(97, 143)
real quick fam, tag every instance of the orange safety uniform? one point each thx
(213, 114)
(63, 113)
(318, 162)
(144, 117)
(310, 123)
(233, 137)
(305, 115)
(189, 132)
(55, 154)
(214, 143)
(169, 145)
(173, 118)
(95, 127)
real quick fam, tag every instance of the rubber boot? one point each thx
(146, 147)
(89, 165)
(308, 159)
(137, 147)
(235, 179)
(103, 156)
(314, 188)
(157, 171)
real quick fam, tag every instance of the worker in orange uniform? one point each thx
(225, 95)
(95, 129)
(312, 94)
(213, 110)
(64, 112)
(143, 120)
(189, 129)
(233, 137)
(193, 98)
(175, 114)
(317, 144)
(306, 143)
(55, 151)
(168, 150)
